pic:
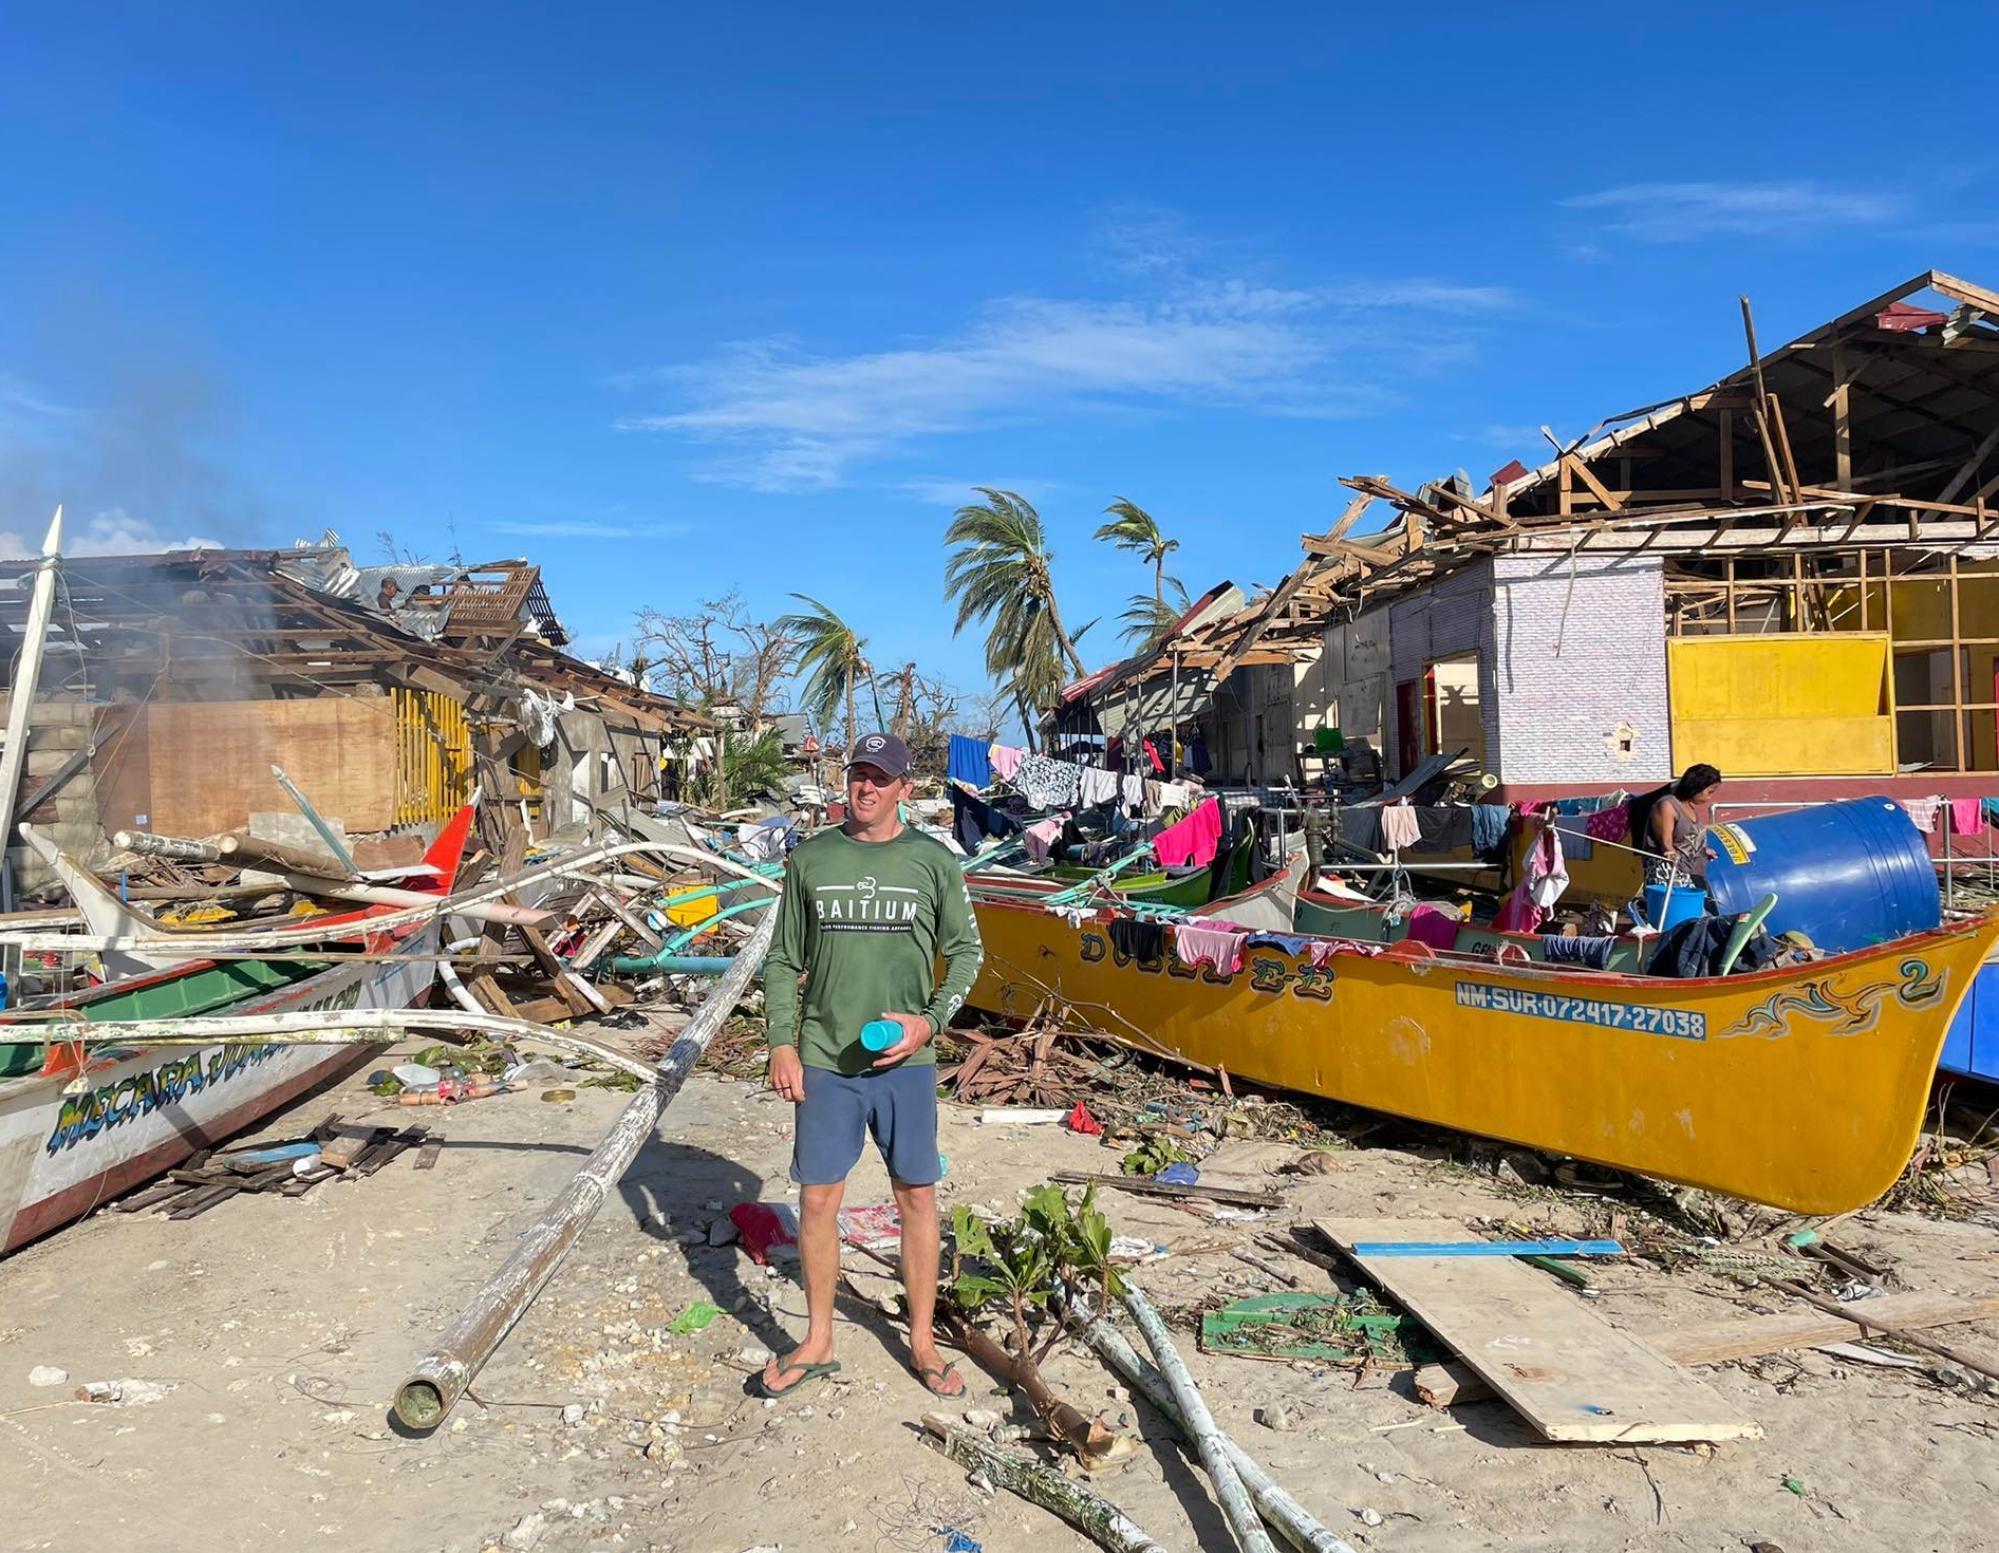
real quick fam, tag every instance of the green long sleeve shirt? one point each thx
(860, 927)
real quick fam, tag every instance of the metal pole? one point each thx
(1173, 724)
(440, 1377)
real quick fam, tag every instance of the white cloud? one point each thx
(941, 491)
(1523, 440)
(584, 529)
(1682, 212)
(789, 420)
(109, 533)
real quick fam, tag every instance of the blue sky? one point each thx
(675, 302)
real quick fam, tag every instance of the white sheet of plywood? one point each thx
(1562, 1367)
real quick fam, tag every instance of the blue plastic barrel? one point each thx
(1845, 874)
(1688, 901)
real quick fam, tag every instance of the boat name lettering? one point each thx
(86, 1115)
(1680, 1023)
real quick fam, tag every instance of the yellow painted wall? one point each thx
(1789, 704)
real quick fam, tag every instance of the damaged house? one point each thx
(173, 684)
(1791, 573)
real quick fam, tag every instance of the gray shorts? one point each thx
(898, 1106)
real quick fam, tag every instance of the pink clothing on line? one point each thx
(1194, 840)
(1006, 760)
(1398, 826)
(1967, 816)
(1922, 813)
(1208, 946)
(1041, 839)
(1608, 824)
(1438, 929)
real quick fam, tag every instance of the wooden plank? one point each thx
(209, 762)
(1561, 1366)
(426, 1157)
(1970, 467)
(1747, 1337)
(1144, 1188)
(1596, 487)
(565, 983)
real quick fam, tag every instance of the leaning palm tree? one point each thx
(1133, 528)
(833, 660)
(999, 574)
(1148, 620)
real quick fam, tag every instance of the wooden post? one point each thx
(1727, 455)
(1200, 1424)
(1842, 425)
(1956, 684)
(440, 1377)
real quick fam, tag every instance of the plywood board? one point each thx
(1746, 1337)
(1562, 1367)
(210, 762)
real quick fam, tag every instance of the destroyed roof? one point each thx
(432, 601)
(216, 624)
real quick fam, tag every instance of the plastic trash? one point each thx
(537, 1070)
(1178, 1175)
(415, 1075)
(694, 1319)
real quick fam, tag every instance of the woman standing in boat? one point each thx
(1667, 822)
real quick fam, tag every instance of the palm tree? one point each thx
(833, 660)
(1147, 620)
(1000, 574)
(1133, 528)
(747, 766)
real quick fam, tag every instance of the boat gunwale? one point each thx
(1402, 953)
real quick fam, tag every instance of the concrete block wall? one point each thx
(1456, 616)
(1579, 671)
(56, 730)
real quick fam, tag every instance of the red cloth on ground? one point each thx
(761, 1228)
(1193, 840)
(1080, 1120)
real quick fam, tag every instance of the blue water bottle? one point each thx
(878, 1035)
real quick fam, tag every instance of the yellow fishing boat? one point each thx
(1802, 1086)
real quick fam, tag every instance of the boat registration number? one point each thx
(1680, 1023)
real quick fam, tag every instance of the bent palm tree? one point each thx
(1000, 574)
(1148, 620)
(833, 660)
(1133, 528)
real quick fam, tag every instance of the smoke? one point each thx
(127, 427)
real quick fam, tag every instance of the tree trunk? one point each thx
(1026, 721)
(1097, 1518)
(853, 665)
(1062, 636)
(1094, 1445)
(1159, 579)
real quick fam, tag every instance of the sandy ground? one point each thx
(280, 1328)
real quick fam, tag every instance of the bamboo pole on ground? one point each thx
(440, 1377)
(319, 1027)
(1199, 1423)
(1096, 1517)
(1289, 1517)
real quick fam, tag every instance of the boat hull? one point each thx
(141, 1110)
(1802, 1087)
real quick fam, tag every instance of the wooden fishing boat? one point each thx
(78, 1128)
(1800, 1086)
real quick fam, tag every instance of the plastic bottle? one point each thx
(878, 1035)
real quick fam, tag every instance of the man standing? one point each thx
(866, 911)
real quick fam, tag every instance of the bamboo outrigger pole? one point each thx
(13, 759)
(1237, 1507)
(440, 1377)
